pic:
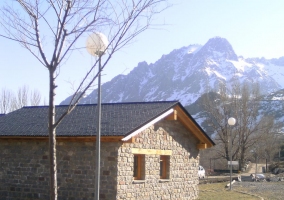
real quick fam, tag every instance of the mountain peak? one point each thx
(218, 45)
(186, 73)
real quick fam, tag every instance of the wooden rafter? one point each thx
(195, 130)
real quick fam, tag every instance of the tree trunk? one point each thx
(52, 137)
(227, 155)
(242, 158)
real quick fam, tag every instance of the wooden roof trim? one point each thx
(189, 124)
(142, 128)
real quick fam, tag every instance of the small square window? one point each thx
(139, 167)
(164, 167)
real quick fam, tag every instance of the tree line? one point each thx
(255, 134)
(10, 100)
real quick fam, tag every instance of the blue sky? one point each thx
(255, 28)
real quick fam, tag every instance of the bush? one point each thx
(277, 167)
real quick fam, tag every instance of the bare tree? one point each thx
(9, 101)
(270, 144)
(35, 98)
(241, 102)
(51, 29)
(5, 100)
(21, 99)
(254, 129)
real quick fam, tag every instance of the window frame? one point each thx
(164, 166)
(138, 166)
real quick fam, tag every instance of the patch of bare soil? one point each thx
(266, 190)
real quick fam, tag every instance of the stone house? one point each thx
(149, 150)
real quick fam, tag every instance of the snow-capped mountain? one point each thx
(186, 73)
(269, 105)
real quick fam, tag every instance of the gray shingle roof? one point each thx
(118, 119)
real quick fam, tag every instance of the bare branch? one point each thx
(241, 102)
(5, 101)
(35, 98)
(52, 29)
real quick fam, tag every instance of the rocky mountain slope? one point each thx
(269, 105)
(186, 73)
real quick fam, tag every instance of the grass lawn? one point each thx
(218, 191)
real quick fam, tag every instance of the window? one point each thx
(139, 167)
(164, 167)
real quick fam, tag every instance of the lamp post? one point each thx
(96, 46)
(231, 122)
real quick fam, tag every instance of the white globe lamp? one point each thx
(97, 44)
(231, 121)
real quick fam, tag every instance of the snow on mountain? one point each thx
(186, 73)
(269, 105)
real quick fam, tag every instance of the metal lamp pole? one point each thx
(98, 137)
(231, 122)
(96, 46)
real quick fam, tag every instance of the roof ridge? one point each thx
(113, 103)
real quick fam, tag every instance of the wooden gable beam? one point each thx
(201, 146)
(172, 116)
(204, 142)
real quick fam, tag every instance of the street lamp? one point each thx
(231, 122)
(96, 46)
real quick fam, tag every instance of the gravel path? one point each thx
(253, 167)
(267, 190)
(272, 189)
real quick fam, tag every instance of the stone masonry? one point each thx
(184, 161)
(24, 170)
(24, 167)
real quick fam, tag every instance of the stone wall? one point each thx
(183, 180)
(24, 167)
(24, 170)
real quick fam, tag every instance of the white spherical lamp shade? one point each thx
(96, 44)
(231, 121)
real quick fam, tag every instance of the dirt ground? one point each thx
(242, 190)
(271, 188)
(264, 190)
